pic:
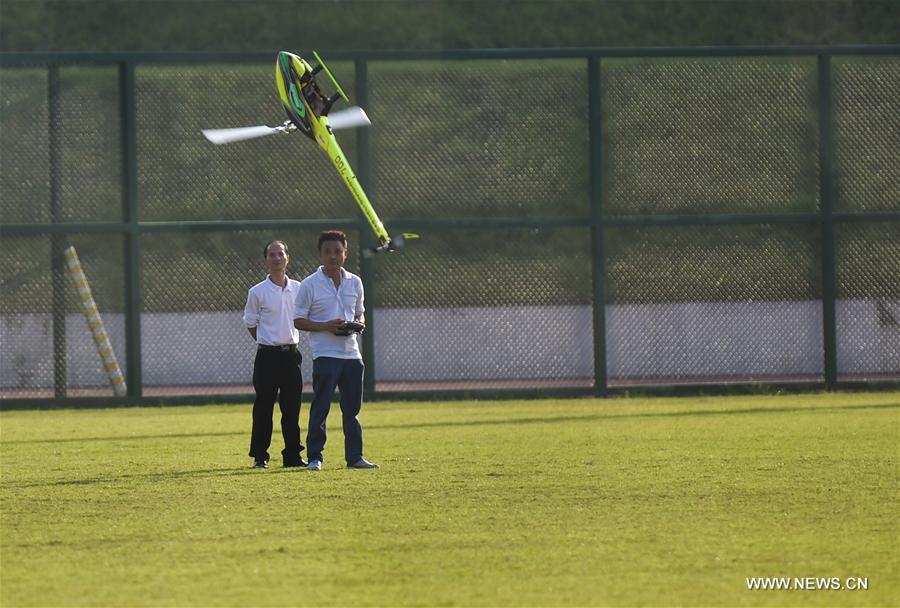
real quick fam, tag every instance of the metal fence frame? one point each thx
(131, 228)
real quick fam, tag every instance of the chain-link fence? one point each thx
(590, 220)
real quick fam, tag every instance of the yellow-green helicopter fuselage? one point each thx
(307, 108)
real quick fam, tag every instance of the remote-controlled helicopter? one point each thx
(309, 111)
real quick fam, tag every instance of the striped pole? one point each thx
(89, 307)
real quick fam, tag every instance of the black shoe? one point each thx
(296, 463)
(260, 464)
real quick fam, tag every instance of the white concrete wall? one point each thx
(483, 343)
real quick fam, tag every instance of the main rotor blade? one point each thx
(226, 136)
(349, 118)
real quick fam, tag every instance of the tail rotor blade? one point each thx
(226, 136)
(349, 118)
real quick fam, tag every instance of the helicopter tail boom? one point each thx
(346, 172)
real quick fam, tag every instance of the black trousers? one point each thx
(276, 375)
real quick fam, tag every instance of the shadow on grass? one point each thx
(150, 476)
(496, 422)
(232, 471)
(684, 414)
(129, 437)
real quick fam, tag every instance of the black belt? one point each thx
(278, 347)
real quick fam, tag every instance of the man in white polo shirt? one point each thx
(327, 300)
(268, 316)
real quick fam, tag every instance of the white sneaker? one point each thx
(362, 463)
(314, 465)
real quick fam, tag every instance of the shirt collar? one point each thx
(322, 275)
(272, 285)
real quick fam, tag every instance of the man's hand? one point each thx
(336, 326)
(348, 328)
(354, 327)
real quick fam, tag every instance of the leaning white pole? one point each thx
(89, 307)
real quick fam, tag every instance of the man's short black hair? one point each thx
(332, 235)
(270, 243)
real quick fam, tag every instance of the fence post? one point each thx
(829, 336)
(366, 265)
(130, 218)
(57, 241)
(597, 265)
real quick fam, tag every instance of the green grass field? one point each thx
(630, 501)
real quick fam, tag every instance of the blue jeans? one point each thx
(347, 375)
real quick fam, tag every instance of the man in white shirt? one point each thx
(327, 300)
(268, 316)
